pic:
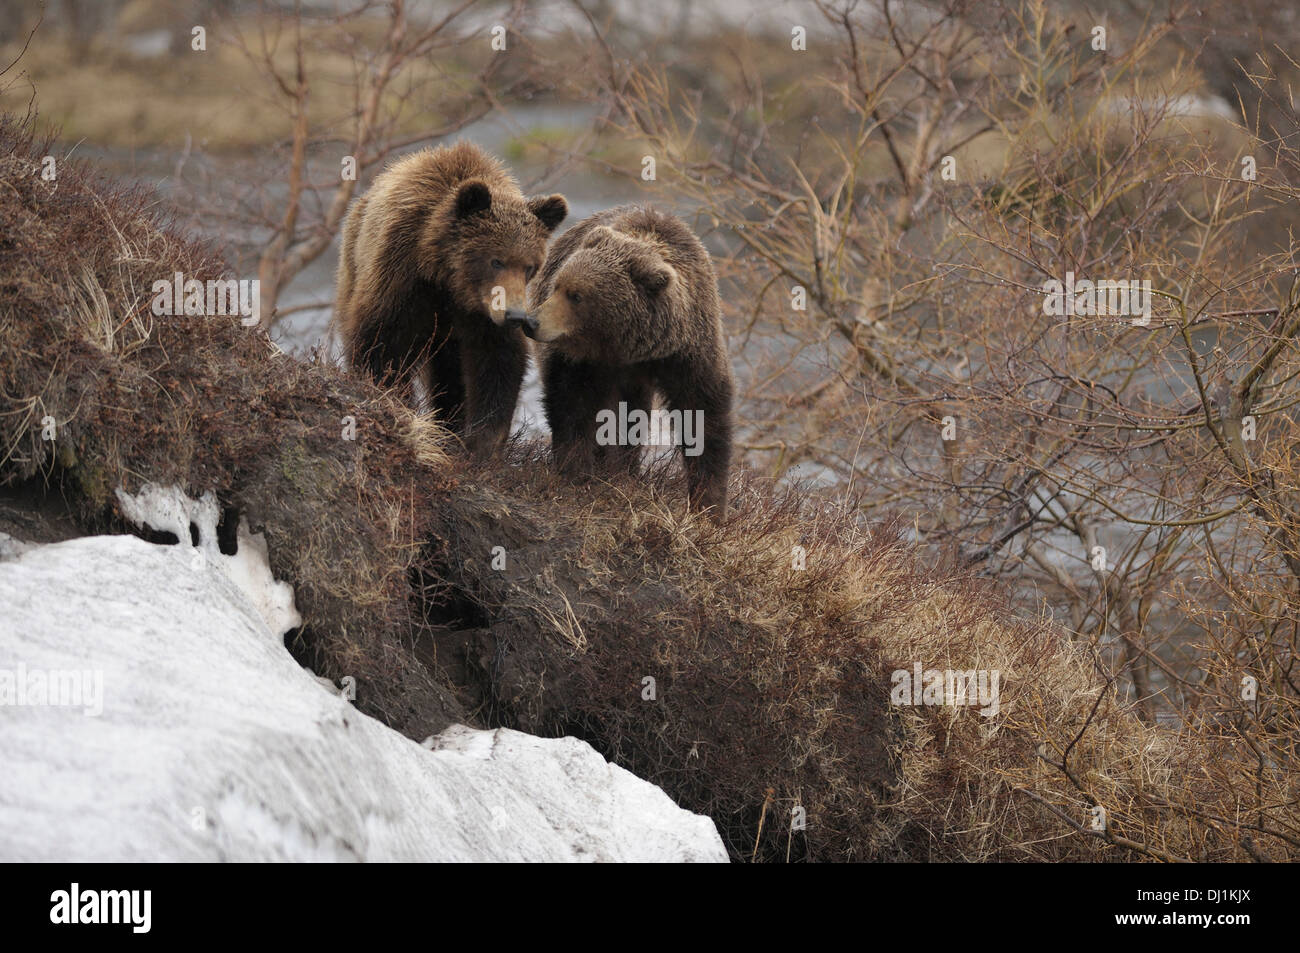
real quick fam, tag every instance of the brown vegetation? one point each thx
(772, 682)
(1135, 478)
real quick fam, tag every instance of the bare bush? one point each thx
(891, 224)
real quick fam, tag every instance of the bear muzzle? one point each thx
(516, 318)
(553, 320)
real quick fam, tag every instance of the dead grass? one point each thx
(772, 683)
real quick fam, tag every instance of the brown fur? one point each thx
(432, 280)
(627, 307)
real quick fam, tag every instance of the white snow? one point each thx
(10, 547)
(168, 509)
(213, 744)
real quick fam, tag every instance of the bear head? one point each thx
(492, 246)
(613, 300)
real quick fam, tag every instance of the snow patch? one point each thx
(11, 548)
(213, 744)
(170, 510)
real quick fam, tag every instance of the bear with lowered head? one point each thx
(626, 309)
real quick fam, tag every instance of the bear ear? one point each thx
(652, 275)
(549, 209)
(474, 197)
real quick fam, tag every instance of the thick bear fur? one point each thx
(432, 283)
(627, 307)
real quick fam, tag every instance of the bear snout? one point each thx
(522, 320)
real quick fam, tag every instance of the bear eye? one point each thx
(529, 272)
(498, 264)
(573, 296)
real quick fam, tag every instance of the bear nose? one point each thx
(526, 322)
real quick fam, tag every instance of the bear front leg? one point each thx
(573, 393)
(444, 385)
(387, 344)
(636, 392)
(705, 397)
(492, 367)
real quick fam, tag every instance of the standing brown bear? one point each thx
(627, 307)
(432, 281)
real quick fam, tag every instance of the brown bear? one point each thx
(626, 307)
(432, 283)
